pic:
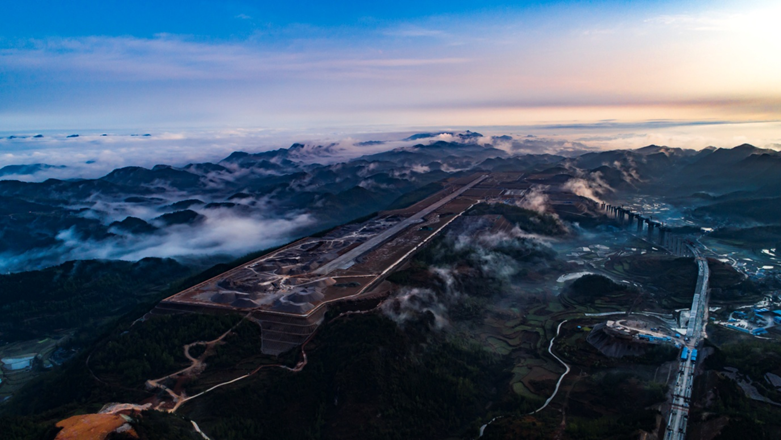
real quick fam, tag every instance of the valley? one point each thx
(496, 303)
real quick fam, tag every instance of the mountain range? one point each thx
(132, 212)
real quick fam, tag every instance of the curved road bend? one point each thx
(558, 384)
(298, 367)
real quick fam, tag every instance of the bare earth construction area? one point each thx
(288, 290)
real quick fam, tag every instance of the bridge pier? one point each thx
(665, 238)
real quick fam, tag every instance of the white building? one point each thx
(18, 363)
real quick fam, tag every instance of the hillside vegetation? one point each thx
(79, 294)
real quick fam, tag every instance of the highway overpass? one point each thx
(679, 412)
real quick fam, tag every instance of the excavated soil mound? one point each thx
(93, 427)
(612, 346)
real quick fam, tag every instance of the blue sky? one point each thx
(364, 66)
(232, 19)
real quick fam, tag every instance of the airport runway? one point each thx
(343, 261)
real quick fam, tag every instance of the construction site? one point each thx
(287, 292)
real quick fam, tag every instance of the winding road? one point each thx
(180, 399)
(558, 384)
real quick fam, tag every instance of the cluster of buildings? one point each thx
(686, 354)
(13, 372)
(754, 322)
(21, 362)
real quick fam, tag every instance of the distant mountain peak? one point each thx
(466, 135)
(743, 150)
(27, 169)
(235, 156)
(654, 149)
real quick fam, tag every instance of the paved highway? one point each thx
(343, 261)
(679, 412)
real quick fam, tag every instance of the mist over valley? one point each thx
(477, 220)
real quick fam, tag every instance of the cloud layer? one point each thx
(555, 65)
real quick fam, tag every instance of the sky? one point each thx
(609, 74)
